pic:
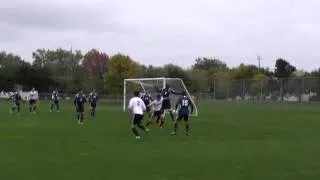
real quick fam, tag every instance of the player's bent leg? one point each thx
(175, 126)
(187, 127)
(133, 126)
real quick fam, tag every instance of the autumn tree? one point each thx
(119, 68)
(95, 63)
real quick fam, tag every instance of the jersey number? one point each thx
(185, 103)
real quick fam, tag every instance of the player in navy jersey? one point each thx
(93, 98)
(185, 107)
(166, 104)
(79, 101)
(55, 100)
(16, 99)
(147, 99)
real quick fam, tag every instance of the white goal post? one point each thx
(150, 85)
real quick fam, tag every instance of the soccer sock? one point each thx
(141, 127)
(34, 108)
(18, 109)
(93, 111)
(13, 109)
(135, 132)
(58, 107)
(78, 117)
(187, 127)
(148, 123)
(175, 126)
(81, 117)
(161, 122)
(171, 115)
(51, 107)
(30, 109)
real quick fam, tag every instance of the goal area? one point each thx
(150, 85)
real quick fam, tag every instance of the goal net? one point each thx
(150, 85)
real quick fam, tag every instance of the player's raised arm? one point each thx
(191, 106)
(75, 99)
(144, 108)
(179, 102)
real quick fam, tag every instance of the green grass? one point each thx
(230, 141)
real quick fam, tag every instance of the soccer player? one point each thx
(79, 101)
(93, 98)
(157, 111)
(16, 99)
(55, 100)
(137, 108)
(33, 97)
(166, 104)
(183, 104)
(147, 99)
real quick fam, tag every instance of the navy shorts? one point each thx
(32, 102)
(183, 115)
(137, 118)
(166, 104)
(80, 109)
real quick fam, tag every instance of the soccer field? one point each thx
(230, 141)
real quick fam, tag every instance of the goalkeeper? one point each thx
(166, 105)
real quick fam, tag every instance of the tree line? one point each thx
(69, 70)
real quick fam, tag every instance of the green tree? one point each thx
(222, 84)
(120, 67)
(198, 81)
(259, 84)
(283, 69)
(209, 64)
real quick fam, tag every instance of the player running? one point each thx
(16, 99)
(33, 98)
(166, 104)
(79, 100)
(158, 113)
(183, 104)
(55, 100)
(93, 98)
(137, 108)
(147, 99)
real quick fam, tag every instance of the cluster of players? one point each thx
(79, 102)
(143, 103)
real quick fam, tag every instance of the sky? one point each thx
(158, 32)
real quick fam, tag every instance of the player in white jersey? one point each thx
(137, 108)
(33, 98)
(157, 111)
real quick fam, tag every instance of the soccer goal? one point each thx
(150, 85)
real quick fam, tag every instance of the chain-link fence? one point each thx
(286, 89)
(302, 89)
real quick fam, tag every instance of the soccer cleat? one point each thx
(138, 137)
(187, 134)
(51, 111)
(147, 129)
(173, 133)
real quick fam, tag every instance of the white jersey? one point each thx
(137, 106)
(156, 104)
(33, 95)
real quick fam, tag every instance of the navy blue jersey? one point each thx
(16, 98)
(184, 103)
(55, 95)
(79, 100)
(93, 98)
(166, 92)
(147, 99)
